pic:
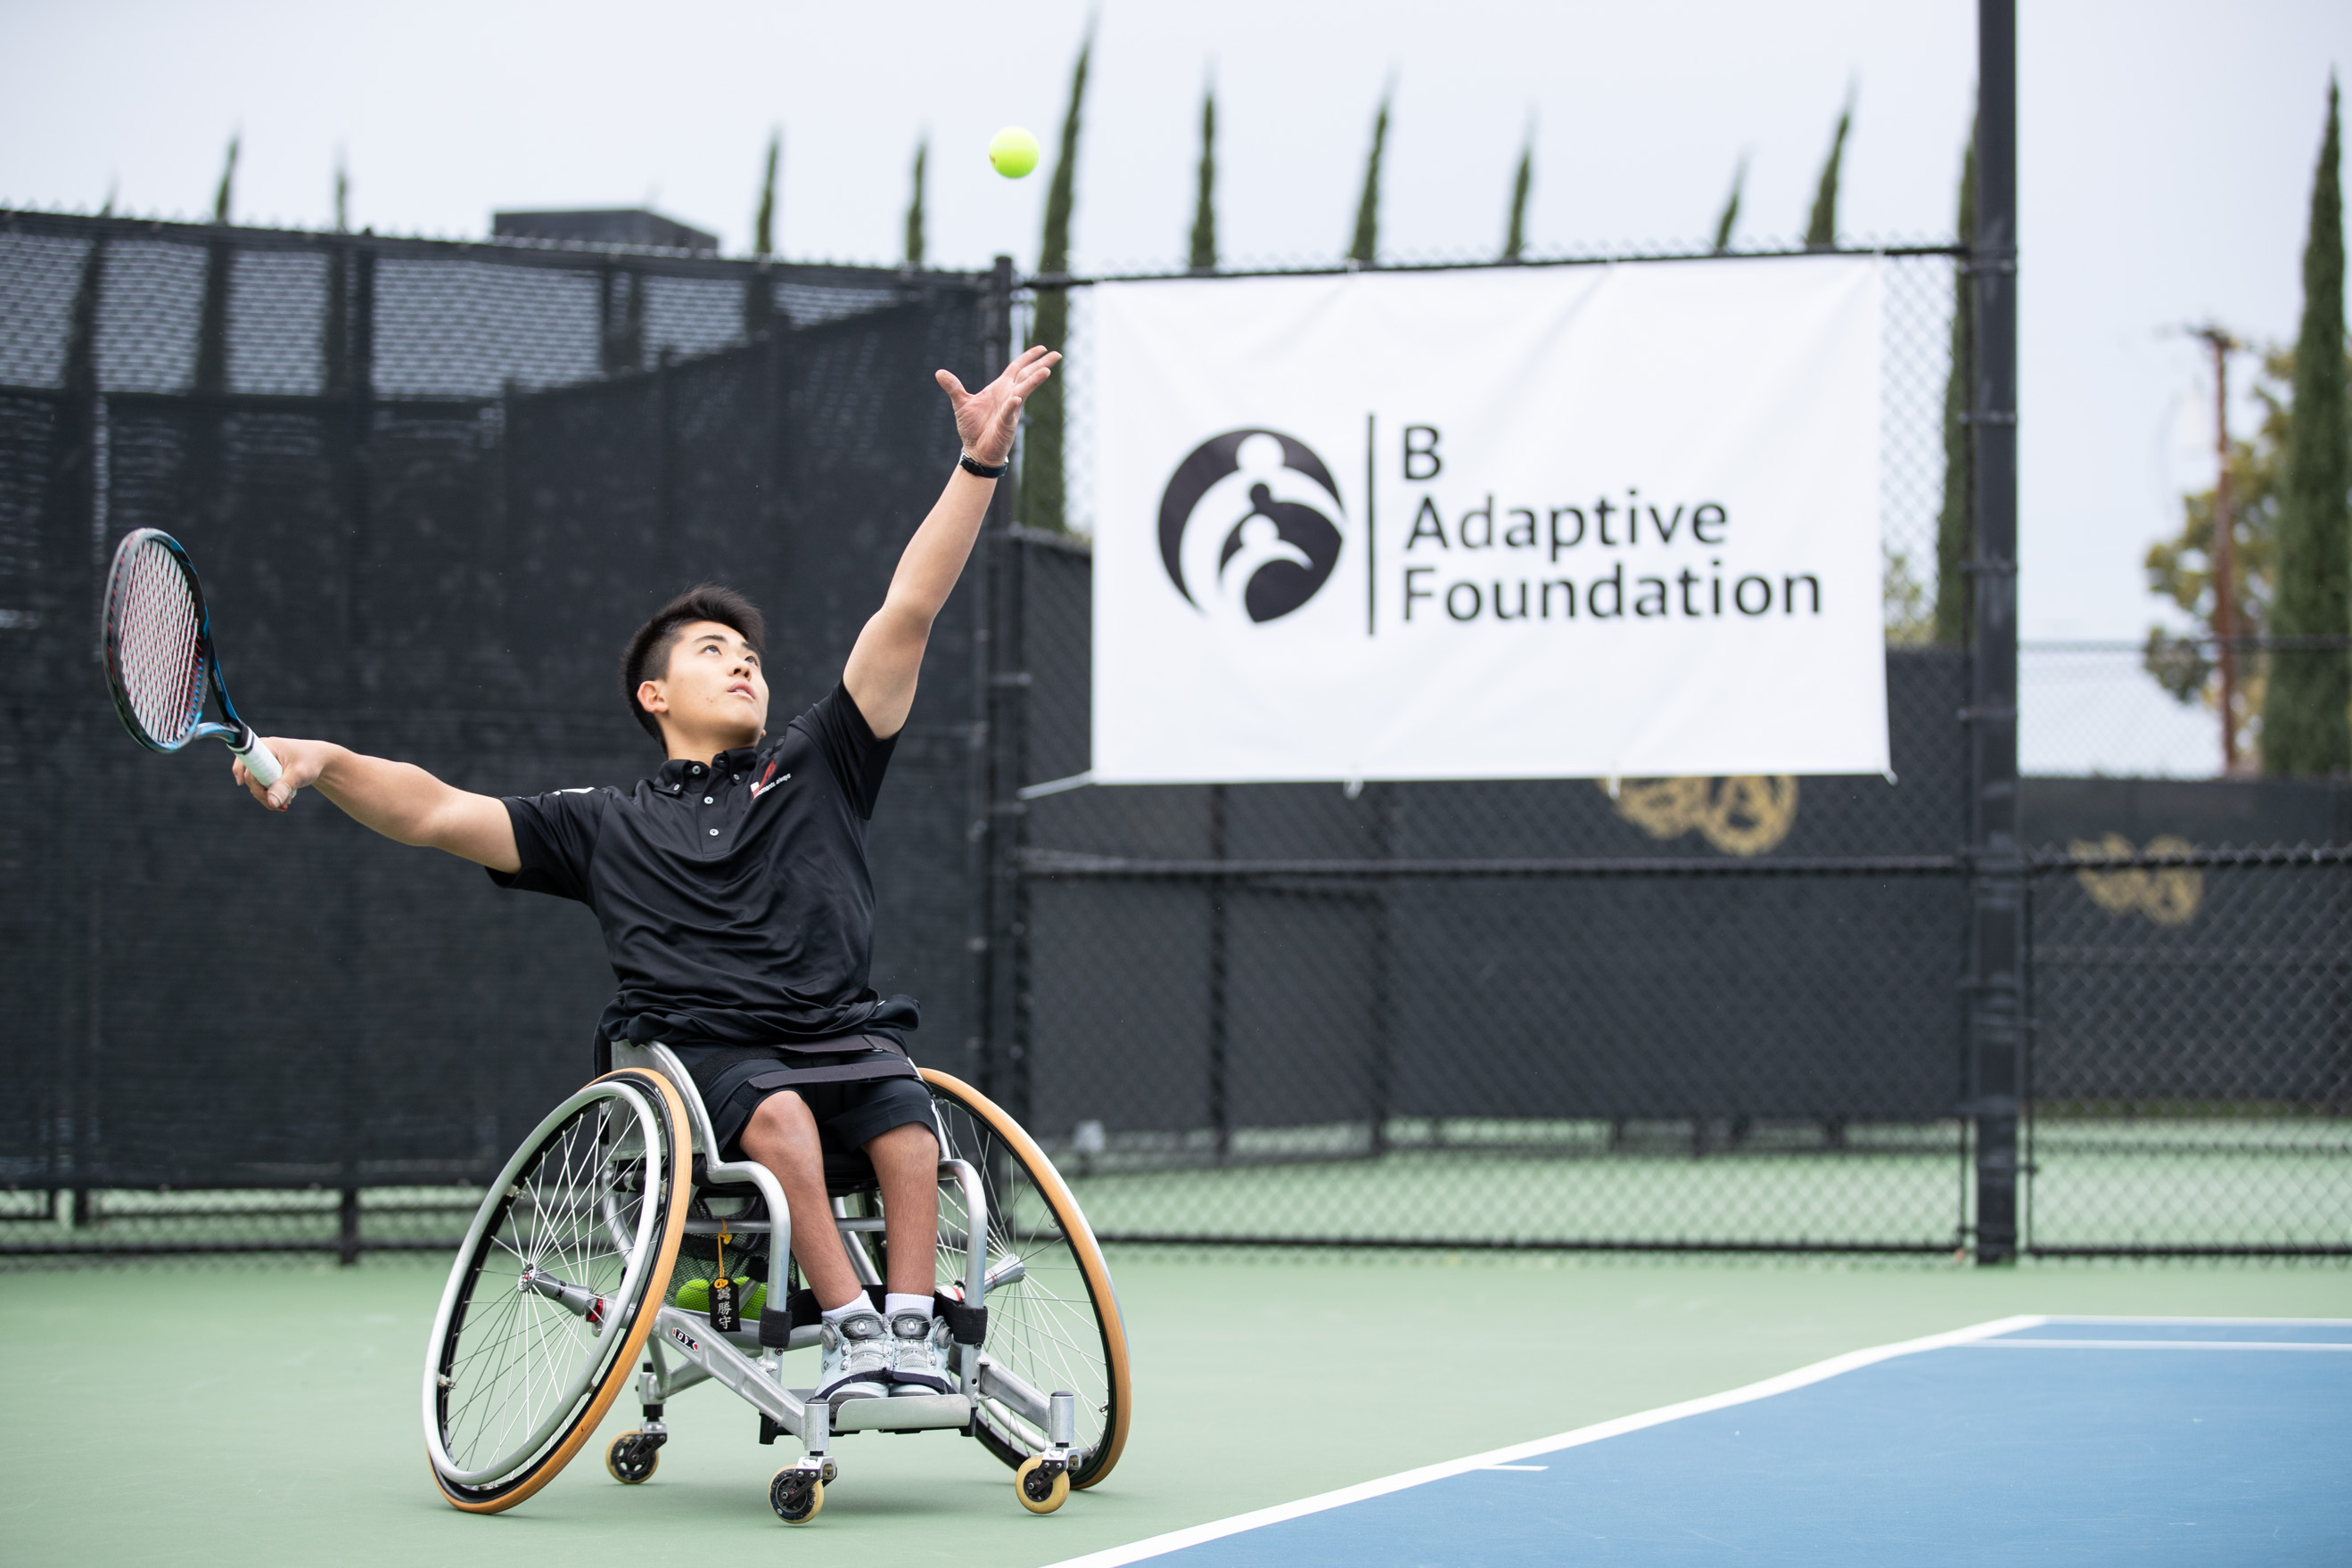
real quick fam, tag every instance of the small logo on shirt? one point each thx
(768, 781)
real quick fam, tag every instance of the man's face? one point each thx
(714, 696)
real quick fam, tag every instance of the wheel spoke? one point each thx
(519, 1369)
(1046, 1327)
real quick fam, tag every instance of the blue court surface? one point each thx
(2047, 1440)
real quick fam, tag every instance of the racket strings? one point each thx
(158, 643)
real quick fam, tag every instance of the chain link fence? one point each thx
(2191, 1073)
(2191, 1069)
(1697, 1013)
(433, 485)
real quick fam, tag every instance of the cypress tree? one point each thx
(1952, 522)
(1366, 245)
(759, 297)
(1723, 225)
(2304, 726)
(1203, 256)
(227, 190)
(763, 222)
(1515, 234)
(1043, 498)
(212, 320)
(335, 332)
(81, 322)
(1820, 233)
(914, 206)
(81, 327)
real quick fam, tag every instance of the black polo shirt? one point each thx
(736, 901)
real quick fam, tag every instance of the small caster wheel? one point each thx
(796, 1495)
(632, 1459)
(1040, 1491)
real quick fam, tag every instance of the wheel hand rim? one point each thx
(517, 1363)
(1041, 1327)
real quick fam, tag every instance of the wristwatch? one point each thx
(971, 464)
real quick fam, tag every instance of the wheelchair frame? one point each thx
(684, 1350)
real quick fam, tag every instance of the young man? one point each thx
(735, 899)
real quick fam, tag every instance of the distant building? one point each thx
(603, 225)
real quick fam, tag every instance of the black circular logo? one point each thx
(1249, 525)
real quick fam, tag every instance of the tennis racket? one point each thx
(160, 657)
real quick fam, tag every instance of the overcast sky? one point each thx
(2165, 153)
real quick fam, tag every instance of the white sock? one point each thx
(860, 1302)
(895, 1303)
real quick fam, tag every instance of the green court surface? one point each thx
(2286, 1191)
(212, 1413)
(2156, 1181)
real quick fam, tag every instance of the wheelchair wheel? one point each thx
(1053, 1320)
(546, 1311)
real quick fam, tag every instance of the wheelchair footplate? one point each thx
(907, 1412)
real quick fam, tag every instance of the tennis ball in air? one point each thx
(1012, 152)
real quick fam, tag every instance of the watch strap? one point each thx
(971, 464)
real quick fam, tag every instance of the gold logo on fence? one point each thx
(2166, 894)
(1741, 816)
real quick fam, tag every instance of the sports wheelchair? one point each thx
(589, 1265)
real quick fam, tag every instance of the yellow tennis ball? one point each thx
(1012, 152)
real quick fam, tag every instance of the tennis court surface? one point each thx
(2066, 1439)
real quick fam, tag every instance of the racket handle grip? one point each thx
(257, 760)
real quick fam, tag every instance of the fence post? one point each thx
(76, 530)
(350, 418)
(998, 693)
(1220, 890)
(1997, 1022)
(1388, 828)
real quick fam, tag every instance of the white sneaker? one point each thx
(918, 1355)
(855, 1363)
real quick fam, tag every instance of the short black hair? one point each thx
(647, 657)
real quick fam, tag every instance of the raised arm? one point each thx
(889, 656)
(397, 799)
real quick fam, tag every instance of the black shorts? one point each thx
(851, 1108)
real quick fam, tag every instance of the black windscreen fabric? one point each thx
(1290, 999)
(200, 994)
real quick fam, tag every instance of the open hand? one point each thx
(986, 419)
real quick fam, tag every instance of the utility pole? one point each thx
(2225, 532)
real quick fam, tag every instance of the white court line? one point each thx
(1853, 1361)
(2345, 1323)
(2154, 1344)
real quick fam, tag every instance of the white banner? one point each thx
(1602, 522)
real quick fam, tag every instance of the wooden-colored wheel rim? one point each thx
(1097, 1273)
(632, 1341)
